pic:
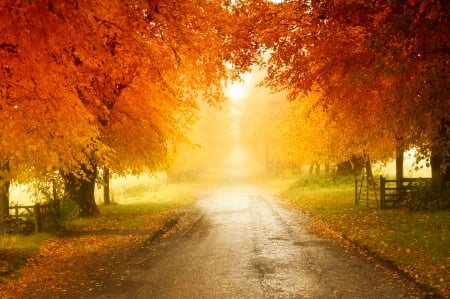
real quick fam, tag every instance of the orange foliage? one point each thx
(381, 68)
(106, 82)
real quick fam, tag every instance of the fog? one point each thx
(256, 130)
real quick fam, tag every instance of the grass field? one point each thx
(418, 243)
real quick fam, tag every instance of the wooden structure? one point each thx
(396, 193)
(40, 214)
(392, 193)
(366, 190)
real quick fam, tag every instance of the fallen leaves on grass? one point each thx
(72, 264)
(75, 265)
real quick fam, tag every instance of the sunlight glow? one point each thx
(236, 91)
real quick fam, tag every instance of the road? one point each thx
(238, 242)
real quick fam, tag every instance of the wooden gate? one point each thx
(40, 214)
(366, 190)
(393, 193)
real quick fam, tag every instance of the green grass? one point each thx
(23, 243)
(14, 250)
(417, 242)
(138, 207)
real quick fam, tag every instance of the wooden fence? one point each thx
(40, 214)
(392, 193)
(366, 191)
(395, 193)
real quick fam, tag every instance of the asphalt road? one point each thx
(238, 242)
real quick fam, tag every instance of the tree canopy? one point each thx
(105, 83)
(116, 84)
(381, 69)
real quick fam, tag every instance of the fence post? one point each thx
(37, 218)
(382, 192)
(356, 190)
(16, 211)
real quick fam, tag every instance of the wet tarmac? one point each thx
(237, 242)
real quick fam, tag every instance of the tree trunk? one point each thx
(106, 197)
(436, 172)
(81, 190)
(317, 169)
(327, 168)
(4, 191)
(54, 190)
(440, 155)
(369, 172)
(399, 166)
(311, 169)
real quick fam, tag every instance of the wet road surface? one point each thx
(238, 242)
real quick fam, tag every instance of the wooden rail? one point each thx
(394, 193)
(38, 213)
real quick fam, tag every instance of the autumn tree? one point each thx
(158, 100)
(382, 67)
(35, 98)
(110, 83)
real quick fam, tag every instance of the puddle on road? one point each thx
(264, 265)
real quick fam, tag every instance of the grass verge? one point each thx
(148, 213)
(417, 243)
